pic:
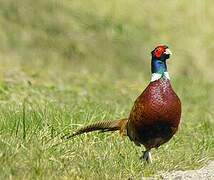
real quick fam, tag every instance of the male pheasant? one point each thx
(156, 113)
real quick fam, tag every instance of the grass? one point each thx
(34, 116)
(57, 74)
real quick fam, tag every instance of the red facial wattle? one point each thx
(159, 51)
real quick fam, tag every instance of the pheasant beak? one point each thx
(168, 52)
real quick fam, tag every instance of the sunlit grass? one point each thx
(30, 135)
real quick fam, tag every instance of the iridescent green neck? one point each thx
(158, 66)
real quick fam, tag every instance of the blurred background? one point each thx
(107, 36)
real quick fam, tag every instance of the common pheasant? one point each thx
(156, 113)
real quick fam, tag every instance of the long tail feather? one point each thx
(102, 126)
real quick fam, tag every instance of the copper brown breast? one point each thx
(155, 116)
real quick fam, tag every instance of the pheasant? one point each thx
(155, 116)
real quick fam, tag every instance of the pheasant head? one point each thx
(161, 52)
(158, 65)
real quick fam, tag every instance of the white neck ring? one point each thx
(156, 76)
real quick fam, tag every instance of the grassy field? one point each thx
(67, 63)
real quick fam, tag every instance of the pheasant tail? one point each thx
(102, 126)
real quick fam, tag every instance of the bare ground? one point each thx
(205, 173)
